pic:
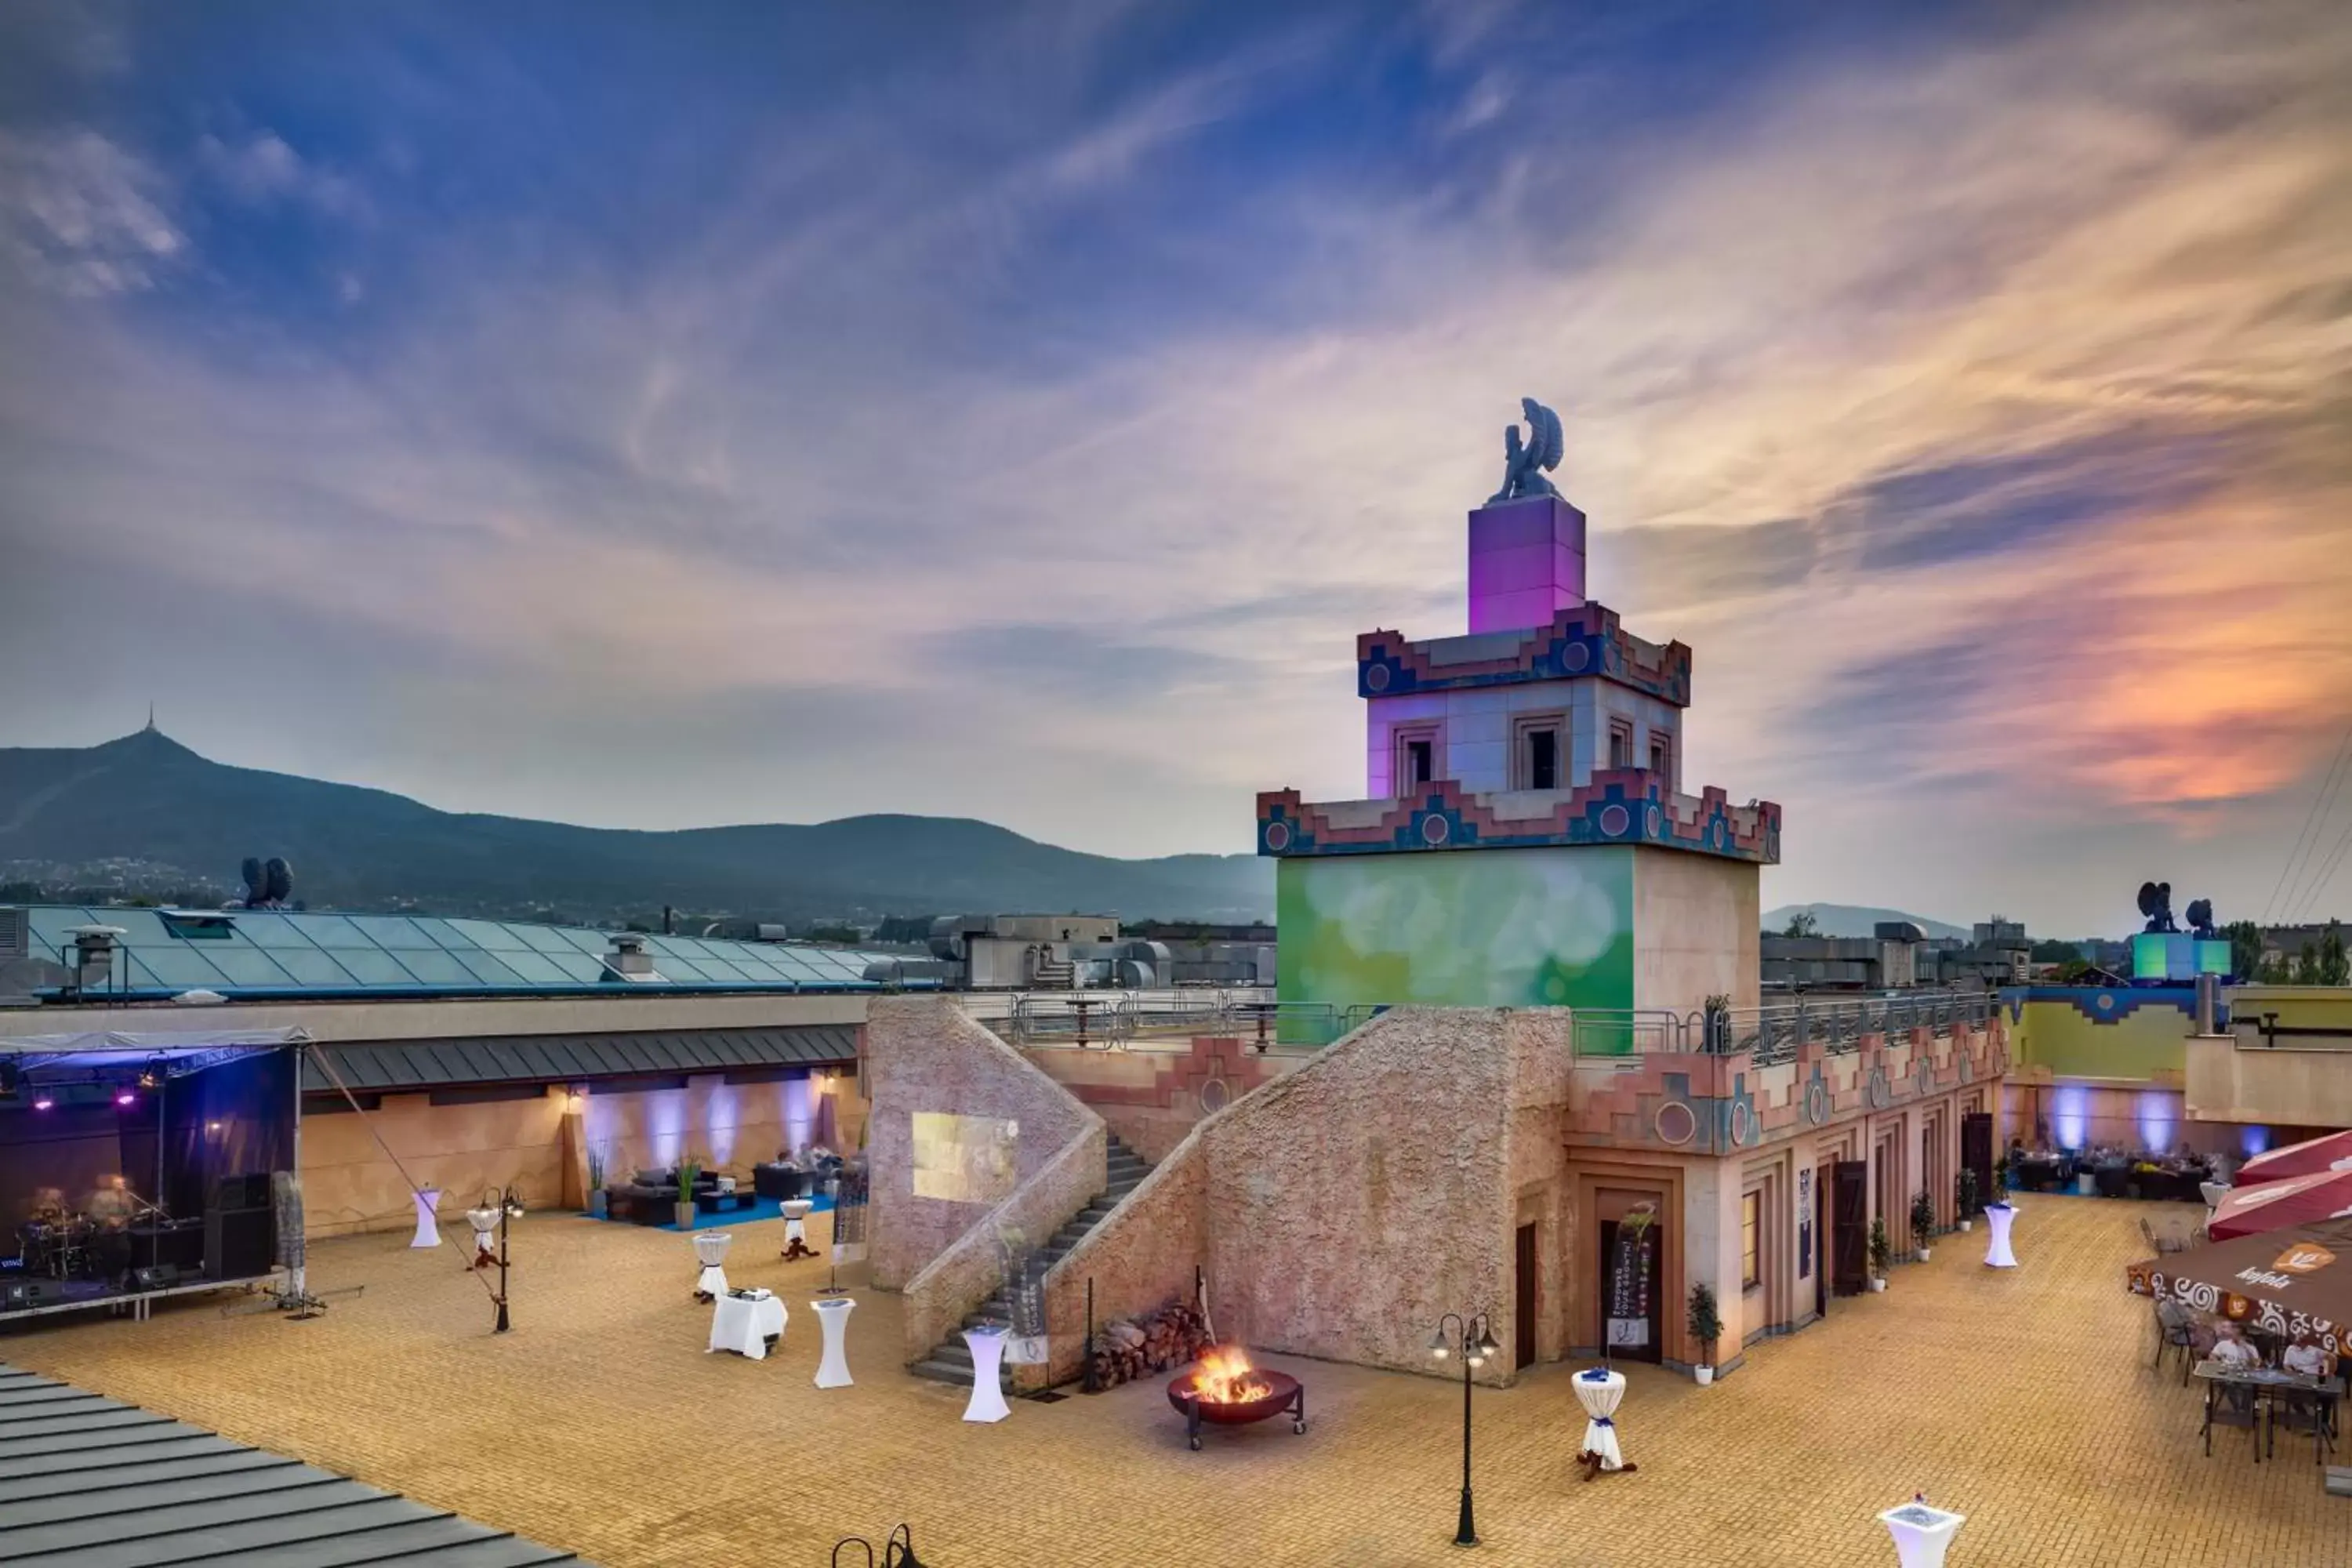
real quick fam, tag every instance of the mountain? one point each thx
(1856, 919)
(147, 798)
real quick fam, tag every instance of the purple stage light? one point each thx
(126, 1097)
(42, 1103)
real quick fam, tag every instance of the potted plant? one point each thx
(1922, 1221)
(1966, 1192)
(2000, 1174)
(1882, 1253)
(598, 1203)
(1705, 1327)
(687, 1169)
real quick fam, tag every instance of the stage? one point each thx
(82, 1295)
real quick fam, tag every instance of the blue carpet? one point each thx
(762, 1208)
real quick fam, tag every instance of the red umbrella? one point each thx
(2329, 1151)
(2298, 1200)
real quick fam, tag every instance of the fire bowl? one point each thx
(1284, 1392)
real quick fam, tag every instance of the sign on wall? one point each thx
(964, 1158)
(1633, 1279)
(1804, 1225)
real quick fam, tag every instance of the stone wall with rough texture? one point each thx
(1154, 1092)
(967, 1272)
(1144, 1253)
(923, 1054)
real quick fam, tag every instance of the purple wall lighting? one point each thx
(1527, 564)
(2256, 1139)
(2158, 1119)
(2070, 1114)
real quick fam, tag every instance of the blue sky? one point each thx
(777, 412)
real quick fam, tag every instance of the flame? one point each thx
(1226, 1378)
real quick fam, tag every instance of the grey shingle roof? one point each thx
(99, 1484)
(410, 1065)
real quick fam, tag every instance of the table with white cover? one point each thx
(428, 1233)
(833, 1319)
(711, 1250)
(745, 1323)
(1600, 1390)
(1998, 1218)
(485, 1221)
(987, 1402)
(1922, 1534)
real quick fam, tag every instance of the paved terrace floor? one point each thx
(2021, 1399)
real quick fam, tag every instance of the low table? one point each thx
(748, 1325)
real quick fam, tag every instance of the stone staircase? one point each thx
(951, 1362)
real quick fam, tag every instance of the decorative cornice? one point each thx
(1582, 641)
(1626, 806)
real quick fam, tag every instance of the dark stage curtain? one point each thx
(234, 1119)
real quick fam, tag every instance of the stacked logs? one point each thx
(1158, 1342)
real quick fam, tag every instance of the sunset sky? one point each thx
(663, 416)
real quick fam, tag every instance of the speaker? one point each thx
(250, 1191)
(16, 1295)
(160, 1276)
(240, 1243)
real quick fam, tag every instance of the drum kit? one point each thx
(73, 1247)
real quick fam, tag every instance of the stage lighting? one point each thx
(152, 1075)
(126, 1097)
(43, 1103)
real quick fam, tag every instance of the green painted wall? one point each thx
(1549, 927)
(2151, 1038)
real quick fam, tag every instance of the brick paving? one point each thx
(2023, 1399)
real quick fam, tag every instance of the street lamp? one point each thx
(1476, 1343)
(509, 1206)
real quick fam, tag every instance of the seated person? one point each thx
(2305, 1357)
(2233, 1350)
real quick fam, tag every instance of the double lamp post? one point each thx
(1474, 1340)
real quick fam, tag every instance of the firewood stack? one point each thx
(1158, 1342)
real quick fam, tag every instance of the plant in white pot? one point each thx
(687, 1169)
(1705, 1327)
(1966, 1190)
(1922, 1222)
(598, 1202)
(1882, 1253)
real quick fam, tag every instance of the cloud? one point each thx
(82, 216)
(260, 170)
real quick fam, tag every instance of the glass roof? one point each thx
(284, 951)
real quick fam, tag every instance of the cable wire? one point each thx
(2322, 804)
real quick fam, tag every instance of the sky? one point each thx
(723, 412)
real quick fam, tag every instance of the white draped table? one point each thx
(1998, 1218)
(987, 1375)
(485, 1222)
(429, 1234)
(1598, 1391)
(833, 1318)
(1922, 1534)
(711, 1250)
(796, 1212)
(745, 1324)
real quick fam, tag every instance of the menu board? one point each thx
(1632, 1279)
(1804, 1225)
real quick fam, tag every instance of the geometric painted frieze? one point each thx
(1626, 807)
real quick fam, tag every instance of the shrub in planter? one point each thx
(1705, 1327)
(1922, 1222)
(687, 1169)
(1882, 1253)
(1966, 1194)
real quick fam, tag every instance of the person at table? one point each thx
(2307, 1357)
(2231, 1350)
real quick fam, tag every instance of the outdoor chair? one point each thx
(2166, 1240)
(2174, 1330)
(2305, 1410)
(2232, 1405)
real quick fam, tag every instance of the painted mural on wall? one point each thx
(1530, 929)
(964, 1158)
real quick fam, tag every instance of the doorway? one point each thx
(1631, 1322)
(1523, 1320)
(1850, 1222)
(1817, 1239)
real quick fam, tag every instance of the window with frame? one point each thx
(1751, 1222)
(1661, 757)
(1621, 743)
(1416, 758)
(1539, 752)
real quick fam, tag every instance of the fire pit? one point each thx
(1226, 1390)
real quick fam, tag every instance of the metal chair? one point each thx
(2173, 1331)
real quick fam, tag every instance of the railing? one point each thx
(1774, 1033)
(1109, 1021)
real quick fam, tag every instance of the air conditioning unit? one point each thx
(13, 933)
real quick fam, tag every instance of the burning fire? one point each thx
(1226, 1378)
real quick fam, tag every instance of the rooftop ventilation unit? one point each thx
(12, 933)
(93, 957)
(629, 960)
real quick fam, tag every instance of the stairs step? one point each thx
(960, 1377)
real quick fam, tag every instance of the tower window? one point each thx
(1620, 743)
(1418, 767)
(1543, 759)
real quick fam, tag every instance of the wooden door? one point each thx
(1850, 1226)
(1523, 1323)
(1976, 1152)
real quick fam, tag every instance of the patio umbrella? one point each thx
(2294, 1280)
(2298, 1200)
(2329, 1151)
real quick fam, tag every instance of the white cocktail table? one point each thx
(987, 1375)
(1599, 1390)
(796, 1212)
(745, 1324)
(429, 1234)
(1922, 1534)
(711, 1250)
(1998, 1218)
(833, 1319)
